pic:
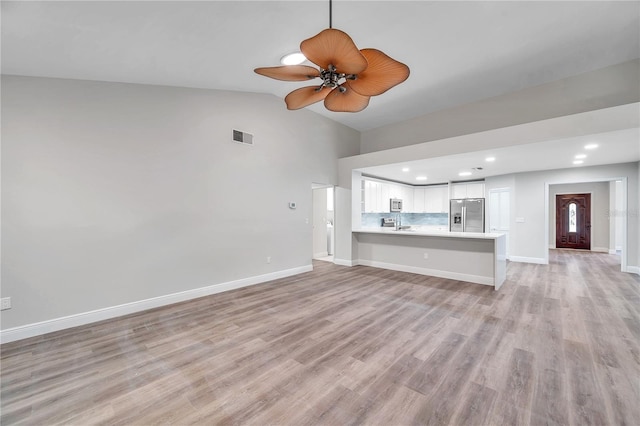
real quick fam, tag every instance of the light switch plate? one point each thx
(5, 303)
(519, 219)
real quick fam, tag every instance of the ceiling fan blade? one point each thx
(334, 47)
(305, 96)
(289, 72)
(381, 75)
(347, 101)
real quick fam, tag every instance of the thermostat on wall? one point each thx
(292, 205)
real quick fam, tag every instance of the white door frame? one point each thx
(314, 186)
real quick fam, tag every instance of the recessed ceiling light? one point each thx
(294, 58)
(405, 169)
(464, 174)
(591, 146)
(421, 178)
(490, 159)
(578, 162)
(580, 156)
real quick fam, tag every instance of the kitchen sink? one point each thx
(405, 228)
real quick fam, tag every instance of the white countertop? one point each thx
(429, 233)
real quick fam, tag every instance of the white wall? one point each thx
(346, 244)
(607, 87)
(115, 193)
(528, 238)
(599, 211)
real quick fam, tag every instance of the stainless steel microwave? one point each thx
(395, 205)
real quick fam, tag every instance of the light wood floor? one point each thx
(558, 344)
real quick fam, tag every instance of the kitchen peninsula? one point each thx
(466, 256)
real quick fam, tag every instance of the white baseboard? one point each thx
(552, 246)
(56, 324)
(321, 254)
(478, 279)
(633, 270)
(612, 251)
(524, 259)
(344, 262)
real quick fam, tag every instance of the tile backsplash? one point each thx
(372, 220)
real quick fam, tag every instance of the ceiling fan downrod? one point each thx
(330, 13)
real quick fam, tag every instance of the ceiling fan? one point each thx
(349, 76)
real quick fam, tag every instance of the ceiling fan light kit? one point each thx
(349, 76)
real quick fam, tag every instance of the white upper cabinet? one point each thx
(385, 195)
(467, 190)
(371, 196)
(407, 198)
(475, 190)
(436, 199)
(422, 199)
(418, 200)
(458, 190)
(377, 195)
(431, 199)
(395, 191)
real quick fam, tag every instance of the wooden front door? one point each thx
(573, 221)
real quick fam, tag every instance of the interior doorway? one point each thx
(573, 221)
(603, 208)
(323, 222)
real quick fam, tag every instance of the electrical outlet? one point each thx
(5, 303)
(426, 255)
(268, 259)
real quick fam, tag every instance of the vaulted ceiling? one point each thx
(458, 52)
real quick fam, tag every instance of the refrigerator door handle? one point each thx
(464, 218)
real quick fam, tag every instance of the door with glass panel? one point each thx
(573, 221)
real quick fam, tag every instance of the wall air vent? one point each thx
(242, 137)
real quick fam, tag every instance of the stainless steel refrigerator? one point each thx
(467, 215)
